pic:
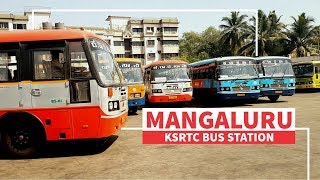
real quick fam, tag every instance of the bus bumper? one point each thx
(109, 125)
(170, 98)
(136, 102)
(306, 86)
(283, 92)
(238, 95)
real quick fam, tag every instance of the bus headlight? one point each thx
(291, 84)
(186, 89)
(137, 95)
(113, 105)
(224, 89)
(255, 87)
(310, 82)
(264, 85)
(156, 91)
(110, 105)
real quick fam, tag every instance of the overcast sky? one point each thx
(188, 21)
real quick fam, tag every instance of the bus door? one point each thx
(317, 75)
(49, 88)
(9, 86)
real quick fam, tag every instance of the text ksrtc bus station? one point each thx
(219, 126)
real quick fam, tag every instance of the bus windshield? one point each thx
(277, 69)
(104, 62)
(131, 71)
(303, 70)
(237, 71)
(166, 73)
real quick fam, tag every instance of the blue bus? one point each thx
(226, 77)
(276, 77)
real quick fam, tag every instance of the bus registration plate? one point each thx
(240, 94)
(172, 97)
(278, 92)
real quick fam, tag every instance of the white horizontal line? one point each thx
(131, 129)
(143, 10)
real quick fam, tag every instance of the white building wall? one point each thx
(39, 18)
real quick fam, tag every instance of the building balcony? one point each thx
(119, 50)
(170, 49)
(170, 33)
(137, 50)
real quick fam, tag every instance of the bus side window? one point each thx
(80, 74)
(8, 67)
(48, 65)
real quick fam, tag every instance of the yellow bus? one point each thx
(132, 71)
(307, 74)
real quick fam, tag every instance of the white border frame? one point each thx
(154, 10)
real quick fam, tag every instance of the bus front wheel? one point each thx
(273, 98)
(133, 109)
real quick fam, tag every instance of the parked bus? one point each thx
(168, 81)
(226, 78)
(307, 74)
(132, 70)
(57, 85)
(276, 77)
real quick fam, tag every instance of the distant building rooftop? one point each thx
(14, 17)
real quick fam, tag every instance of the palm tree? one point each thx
(233, 29)
(301, 34)
(270, 29)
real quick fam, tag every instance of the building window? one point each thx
(138, 56)
(137, 30)
(150, 42)
(169, 55)
(4, 25)
(19, 26)
(150, 29)
(137, 43)
(108, 41)
(170, 42)
(159, 29)
(118, 43)
(171, 30)
(119, 55)
(151, 56)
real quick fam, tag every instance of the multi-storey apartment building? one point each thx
(9, 21)
(147, 39)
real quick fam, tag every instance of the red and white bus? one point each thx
(168, 81)
(57, 85)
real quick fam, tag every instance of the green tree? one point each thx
(300, 35)
(270, 34)
(233, 30)
(198, 46)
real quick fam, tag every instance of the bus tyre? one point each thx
(20, 141)
(134, 109)
(274, 98)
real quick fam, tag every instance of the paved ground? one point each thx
(128, 158)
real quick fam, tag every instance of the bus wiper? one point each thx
(284, 73)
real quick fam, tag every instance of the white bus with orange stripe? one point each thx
(168, 82)
(57, 85)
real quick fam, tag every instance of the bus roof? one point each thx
(166, 62)
(307, 62)
(43, 35)
(271, 57)
(128, 60)
(208, 61)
